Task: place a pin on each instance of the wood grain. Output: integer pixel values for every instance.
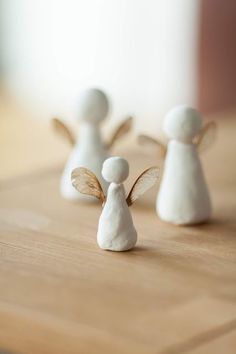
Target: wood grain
(174, 293)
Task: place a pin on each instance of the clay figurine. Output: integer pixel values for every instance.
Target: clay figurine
(116, 231)
(89, 149)
(183, 197)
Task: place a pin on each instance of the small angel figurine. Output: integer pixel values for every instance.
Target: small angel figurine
(116, 231)
(89, 150)
(183, 197)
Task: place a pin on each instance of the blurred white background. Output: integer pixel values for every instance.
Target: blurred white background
(143, 53)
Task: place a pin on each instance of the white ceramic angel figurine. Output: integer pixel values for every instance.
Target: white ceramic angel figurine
(116, 231)
(89, 149)
(183, 197)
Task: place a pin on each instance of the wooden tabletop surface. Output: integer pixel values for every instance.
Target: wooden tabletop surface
(174, 293)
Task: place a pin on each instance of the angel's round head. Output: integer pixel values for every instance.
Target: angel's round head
(182, 123)
(93, 106)
(115, 169)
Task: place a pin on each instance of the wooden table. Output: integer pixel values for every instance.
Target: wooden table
(174, 293)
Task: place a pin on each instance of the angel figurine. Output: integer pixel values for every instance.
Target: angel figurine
(89, 149)
(183, 197)
(116, 231)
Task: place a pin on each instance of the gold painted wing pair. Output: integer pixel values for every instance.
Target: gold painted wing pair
(65, 132)
(203, 140)
(86, 182)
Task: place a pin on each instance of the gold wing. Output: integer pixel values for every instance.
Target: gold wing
(148, 140)
(85, 182)
(63, 130)
(120, 131)
(206, 137)
(144, 182)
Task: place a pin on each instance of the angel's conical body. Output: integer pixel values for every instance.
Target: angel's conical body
(183, 195)
(116, 231)
(89, 152)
